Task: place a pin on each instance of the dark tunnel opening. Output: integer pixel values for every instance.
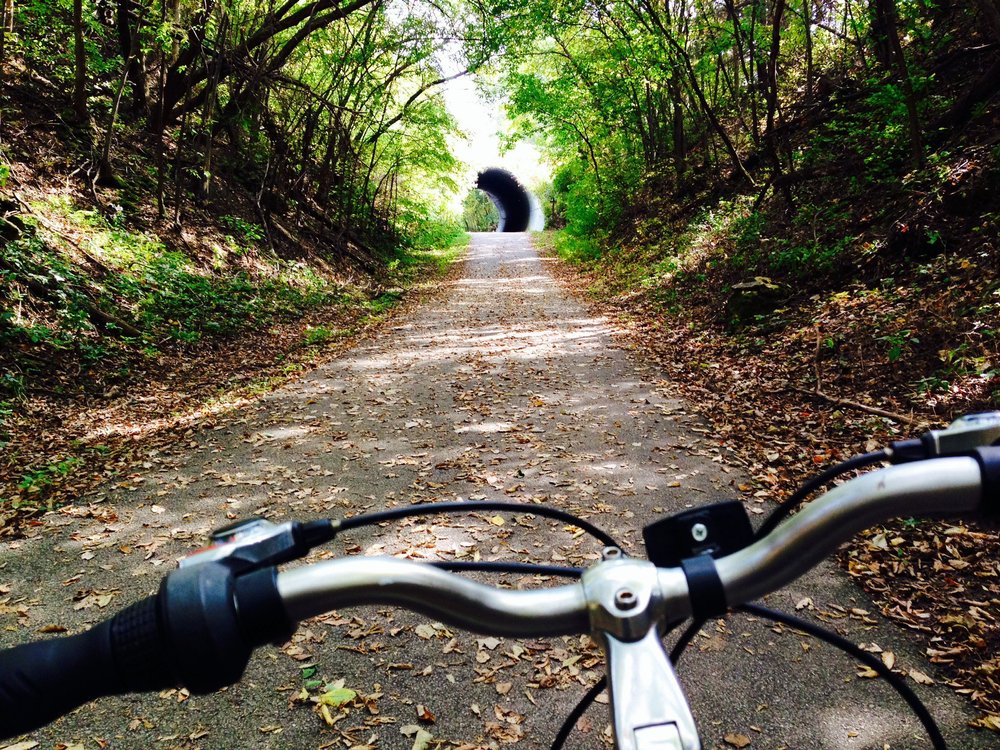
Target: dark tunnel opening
(511, 198)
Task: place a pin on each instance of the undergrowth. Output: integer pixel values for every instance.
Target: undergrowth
(887, 282)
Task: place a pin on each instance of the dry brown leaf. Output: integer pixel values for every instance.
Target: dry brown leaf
(736, 739)
(920, 677)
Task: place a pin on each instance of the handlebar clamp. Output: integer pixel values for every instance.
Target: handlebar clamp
(989, 464)
(707, 594)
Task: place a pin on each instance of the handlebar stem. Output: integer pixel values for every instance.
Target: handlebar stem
(648, 706)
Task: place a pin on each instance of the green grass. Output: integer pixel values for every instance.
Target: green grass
(163, 293)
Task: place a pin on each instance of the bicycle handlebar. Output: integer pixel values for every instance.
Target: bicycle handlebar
(767, 565)
(41, 681)
(202, 626)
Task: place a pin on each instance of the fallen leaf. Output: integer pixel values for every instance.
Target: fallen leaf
(920, 677)
(421, 737)
(338, 697)
(425, 631)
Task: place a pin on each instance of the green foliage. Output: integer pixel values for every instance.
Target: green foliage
(29, 261)
(319, 335)
(425, 233)
(479, 214)
(801, 260)
(746, 230)
(172, 297)
(580, 203)
(898, 343)
(162, 292)
(35, 483)
(244, 230)
(577, 249)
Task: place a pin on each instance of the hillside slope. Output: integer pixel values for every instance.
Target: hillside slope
(120, 322)
(865, 309)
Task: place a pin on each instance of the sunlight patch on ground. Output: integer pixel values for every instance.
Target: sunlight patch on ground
(150, 427)
(487, 427)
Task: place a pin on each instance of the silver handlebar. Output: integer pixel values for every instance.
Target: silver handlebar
(627, 604)
(951, 486)
(353, 581)
(944, 486)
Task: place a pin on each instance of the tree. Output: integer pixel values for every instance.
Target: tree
(479, 213)
(80, 56)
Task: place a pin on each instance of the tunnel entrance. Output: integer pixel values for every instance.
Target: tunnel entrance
(519, 210)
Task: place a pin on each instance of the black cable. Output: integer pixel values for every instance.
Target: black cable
(780, 513)
(502, 566)
(369, 519)
(497, 566)
(868, 659)
(686, 637)
(577, 712)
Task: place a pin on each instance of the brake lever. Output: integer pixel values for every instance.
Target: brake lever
(257, 543)
(965, 434)
(962, 436)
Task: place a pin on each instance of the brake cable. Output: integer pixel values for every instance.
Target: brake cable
(501, 566)
(853, 650)
(393, 514)
(779, 514)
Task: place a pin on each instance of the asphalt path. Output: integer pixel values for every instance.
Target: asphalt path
(504, 388)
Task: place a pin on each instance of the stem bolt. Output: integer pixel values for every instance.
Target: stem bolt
(625, 599)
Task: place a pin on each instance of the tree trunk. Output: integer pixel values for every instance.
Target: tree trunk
(680, 143)
(179, 171)
(770, 139)
(961, 112)
(885, 13)
(205, 189)
(106, 173)
(807, 31)
(80, 73)
(3, 55)
(158, 130)
(879, 30)
(128, 45)
(991, 12)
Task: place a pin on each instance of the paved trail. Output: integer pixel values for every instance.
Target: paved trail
(506, 388)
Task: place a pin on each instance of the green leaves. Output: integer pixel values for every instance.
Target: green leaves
(335, 696)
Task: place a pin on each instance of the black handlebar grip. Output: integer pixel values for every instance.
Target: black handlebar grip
(43, 680)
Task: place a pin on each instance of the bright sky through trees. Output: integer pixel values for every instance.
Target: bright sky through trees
(483, 121)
